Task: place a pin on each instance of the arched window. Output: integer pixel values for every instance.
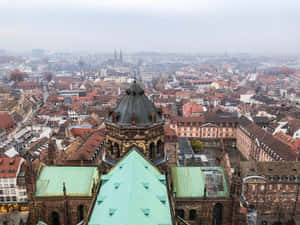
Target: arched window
(151, 150)
(159, 147)
(55, 218)
(193, 214)
(117, 150)
(180, 213)
(217, 214)
(80, 213)
(111, 147)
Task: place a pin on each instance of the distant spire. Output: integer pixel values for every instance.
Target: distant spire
(121, 56)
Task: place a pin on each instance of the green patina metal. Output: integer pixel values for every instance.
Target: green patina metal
(192, 181)
(133, 192)
(78, 181)
(41, 223)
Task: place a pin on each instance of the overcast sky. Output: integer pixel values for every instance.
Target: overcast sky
(190, 26)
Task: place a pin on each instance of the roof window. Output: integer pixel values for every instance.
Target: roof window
(112, 211)
(146, 185)
(146, 212)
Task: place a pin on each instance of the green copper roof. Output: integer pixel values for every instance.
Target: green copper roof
(78, 180)
(191, 181)
(132, 193)
(41, 223)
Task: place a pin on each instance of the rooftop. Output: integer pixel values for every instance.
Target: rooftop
(9, 167)
(135, 106)
(78, 181)
(191, 181)
(134, 192)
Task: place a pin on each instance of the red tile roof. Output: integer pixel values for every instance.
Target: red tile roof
(80, 131)
(6, 122)
(199, 119)
(88, 149)
(9, 167)
(169, 132)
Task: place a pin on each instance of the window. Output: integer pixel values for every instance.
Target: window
(191, 128)
(270, 187)
(277, 196)
(252, 197)
(180, 213)
(13, 191)
(192, 215)
(293, 196)
(261, 197)
(269, 197)
(285, 196)
(262, 187)
(12, 185)
(13, 198)
(295, 187)
(1, 199)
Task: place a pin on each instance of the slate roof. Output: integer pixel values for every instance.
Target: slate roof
(251, 168)
(134, 192)
(135, 103)
(283, 150)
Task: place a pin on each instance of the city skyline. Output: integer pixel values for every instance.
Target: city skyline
(268, 27)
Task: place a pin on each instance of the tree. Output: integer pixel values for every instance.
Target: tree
(16, 75)
(196, 145)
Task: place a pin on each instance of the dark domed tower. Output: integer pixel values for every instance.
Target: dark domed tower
(135, 122)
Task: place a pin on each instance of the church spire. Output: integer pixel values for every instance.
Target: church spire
(121, 56)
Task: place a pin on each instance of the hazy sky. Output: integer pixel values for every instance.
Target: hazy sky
(254, 26)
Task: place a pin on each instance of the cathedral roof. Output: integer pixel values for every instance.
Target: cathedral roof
(192, 181)
(133, 192)
(135, 109)
(52, 178)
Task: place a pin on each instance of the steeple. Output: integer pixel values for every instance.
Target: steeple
(121, 56)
